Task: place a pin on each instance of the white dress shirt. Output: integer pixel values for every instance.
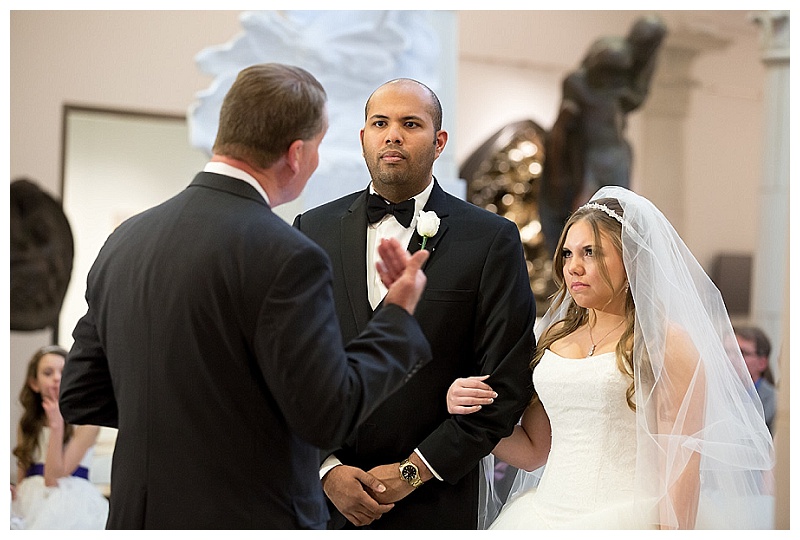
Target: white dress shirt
(229, 170)
(388, 227)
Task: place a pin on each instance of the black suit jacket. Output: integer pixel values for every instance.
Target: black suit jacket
(477, 312)
(211, 342)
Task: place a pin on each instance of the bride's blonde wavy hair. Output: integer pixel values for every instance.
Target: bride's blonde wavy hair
(576, 316)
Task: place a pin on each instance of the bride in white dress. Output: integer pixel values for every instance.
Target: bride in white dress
(644, 415)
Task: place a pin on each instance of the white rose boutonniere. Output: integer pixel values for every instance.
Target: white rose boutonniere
(427, 225)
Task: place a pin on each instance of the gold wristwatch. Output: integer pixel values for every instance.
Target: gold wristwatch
(410, 473)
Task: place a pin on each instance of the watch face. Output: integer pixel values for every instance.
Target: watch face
(409, 472)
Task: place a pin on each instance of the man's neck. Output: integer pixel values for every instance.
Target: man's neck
(262, 176)
(239, 164)
(395, 195)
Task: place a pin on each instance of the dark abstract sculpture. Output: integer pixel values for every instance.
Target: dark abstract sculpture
(537, 178)
(42, 250)
(586, 147)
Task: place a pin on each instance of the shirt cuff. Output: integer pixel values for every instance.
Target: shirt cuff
(425, 461)
(332, 461)
(329, 463)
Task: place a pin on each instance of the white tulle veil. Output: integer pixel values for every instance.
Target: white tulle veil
(702, 442)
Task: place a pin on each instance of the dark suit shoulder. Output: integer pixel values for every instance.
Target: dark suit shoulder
(475, 215)
(287, 242)
(324, 212)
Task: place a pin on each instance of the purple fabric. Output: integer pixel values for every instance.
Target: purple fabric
(38, 469)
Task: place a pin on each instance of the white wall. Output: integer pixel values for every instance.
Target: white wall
(724, 150)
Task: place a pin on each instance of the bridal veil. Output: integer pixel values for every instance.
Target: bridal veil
(704, 453)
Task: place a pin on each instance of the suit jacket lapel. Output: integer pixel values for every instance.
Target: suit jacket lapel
(437, 202)
(353, 246)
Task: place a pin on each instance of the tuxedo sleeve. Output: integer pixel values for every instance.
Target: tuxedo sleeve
(323, 388)
(503, 347)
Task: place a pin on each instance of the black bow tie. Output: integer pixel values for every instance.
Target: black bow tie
(377, 207)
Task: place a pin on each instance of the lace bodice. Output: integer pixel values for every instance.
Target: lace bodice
(594, 430)
(588, 479)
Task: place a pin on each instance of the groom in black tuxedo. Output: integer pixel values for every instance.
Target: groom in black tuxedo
(477, 312)
(211, 339)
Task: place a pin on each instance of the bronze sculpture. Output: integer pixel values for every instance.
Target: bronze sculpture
(586, 148)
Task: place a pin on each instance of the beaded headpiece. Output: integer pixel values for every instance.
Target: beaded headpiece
(602, 208)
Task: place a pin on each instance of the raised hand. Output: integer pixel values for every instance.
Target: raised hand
(402, 274)
(468, 395)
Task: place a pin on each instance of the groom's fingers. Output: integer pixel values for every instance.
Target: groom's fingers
(345, 486)
(370, 482)
(372, 509)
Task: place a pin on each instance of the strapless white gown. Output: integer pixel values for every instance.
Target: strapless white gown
(588, 480)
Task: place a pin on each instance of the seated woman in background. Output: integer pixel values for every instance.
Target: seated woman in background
(53, 489)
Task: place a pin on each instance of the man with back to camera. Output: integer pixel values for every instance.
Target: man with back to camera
(477, 312)
(211, 339)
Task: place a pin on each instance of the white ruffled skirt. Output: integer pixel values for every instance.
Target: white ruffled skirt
(74, 504)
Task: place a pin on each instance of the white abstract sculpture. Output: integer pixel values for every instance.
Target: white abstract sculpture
(350, 52)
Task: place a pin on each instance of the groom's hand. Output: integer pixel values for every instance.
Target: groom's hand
(349, 490)
(396, 487)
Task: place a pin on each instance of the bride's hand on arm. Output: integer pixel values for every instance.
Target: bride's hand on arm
(528, 445)
(469, 394)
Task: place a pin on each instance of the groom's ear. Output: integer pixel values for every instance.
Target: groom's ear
(440, 142)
